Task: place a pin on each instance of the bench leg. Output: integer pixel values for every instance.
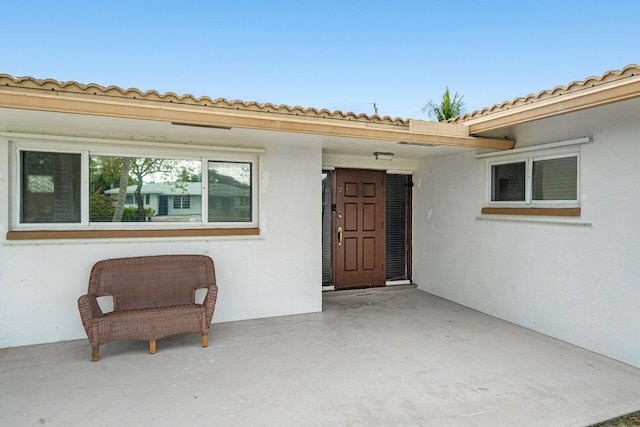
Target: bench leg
(95, 354)
(152, 347)
(205, 340)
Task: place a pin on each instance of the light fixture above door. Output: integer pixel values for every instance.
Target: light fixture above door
(383, 156)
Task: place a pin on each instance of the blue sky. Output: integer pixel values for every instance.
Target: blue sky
(342, 55)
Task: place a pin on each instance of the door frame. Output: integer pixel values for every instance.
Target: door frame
(359, 224)
(331, 180)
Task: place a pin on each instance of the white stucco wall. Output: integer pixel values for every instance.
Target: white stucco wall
(277, 273)
(579, 284)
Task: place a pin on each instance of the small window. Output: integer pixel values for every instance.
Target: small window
(508, 182)
(555, 179)
(536, 181)
(50, 187)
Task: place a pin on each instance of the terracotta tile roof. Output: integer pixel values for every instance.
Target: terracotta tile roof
(92, 89)
(573, 87)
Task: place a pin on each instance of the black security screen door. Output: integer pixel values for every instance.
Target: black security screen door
(397, 246)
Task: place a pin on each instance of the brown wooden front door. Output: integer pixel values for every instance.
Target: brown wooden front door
(359, 238)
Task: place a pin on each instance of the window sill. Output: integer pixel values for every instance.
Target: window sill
(117, 234)
(534, 220)
(533, 211)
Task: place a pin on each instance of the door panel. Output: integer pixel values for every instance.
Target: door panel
(369, 190)
(351, 216)
(359, 229)
(369, 216)
(368, 253)
(350, 254)
(351, 189)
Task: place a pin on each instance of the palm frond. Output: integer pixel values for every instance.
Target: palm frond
(448, 107)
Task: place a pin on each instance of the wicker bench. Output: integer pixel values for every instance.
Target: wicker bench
(153, 297)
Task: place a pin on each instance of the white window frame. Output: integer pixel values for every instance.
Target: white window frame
(511, 203)
(529, 159)
(87, 149)
(556, 203)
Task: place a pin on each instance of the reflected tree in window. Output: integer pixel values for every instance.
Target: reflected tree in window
(116, 183)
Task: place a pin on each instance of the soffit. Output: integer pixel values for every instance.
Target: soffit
(612, 86)
(27, 93)
(28, 122)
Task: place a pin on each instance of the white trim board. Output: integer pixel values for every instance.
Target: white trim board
(559, 144)
(509, 218)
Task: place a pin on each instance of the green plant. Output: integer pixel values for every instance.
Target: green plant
(132, 215)
(448, 108)
(100, 208)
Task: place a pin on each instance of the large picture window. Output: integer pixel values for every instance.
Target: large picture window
(89, 189)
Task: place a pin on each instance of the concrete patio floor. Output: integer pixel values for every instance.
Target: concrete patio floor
(398, 358)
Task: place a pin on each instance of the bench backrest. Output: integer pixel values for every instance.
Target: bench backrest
(151, 281)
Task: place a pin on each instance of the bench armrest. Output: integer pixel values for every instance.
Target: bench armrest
(89, 310)
(209, 302)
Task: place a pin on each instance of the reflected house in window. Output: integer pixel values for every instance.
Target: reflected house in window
(171, 201)
(182, 201)
(229, 203)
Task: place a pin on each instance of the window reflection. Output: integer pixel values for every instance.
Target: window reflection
(138, 189)
(229, 191)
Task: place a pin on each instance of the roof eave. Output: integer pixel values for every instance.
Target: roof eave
(457, 135)
(562, 102)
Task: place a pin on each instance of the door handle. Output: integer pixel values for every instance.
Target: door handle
(339, 236)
